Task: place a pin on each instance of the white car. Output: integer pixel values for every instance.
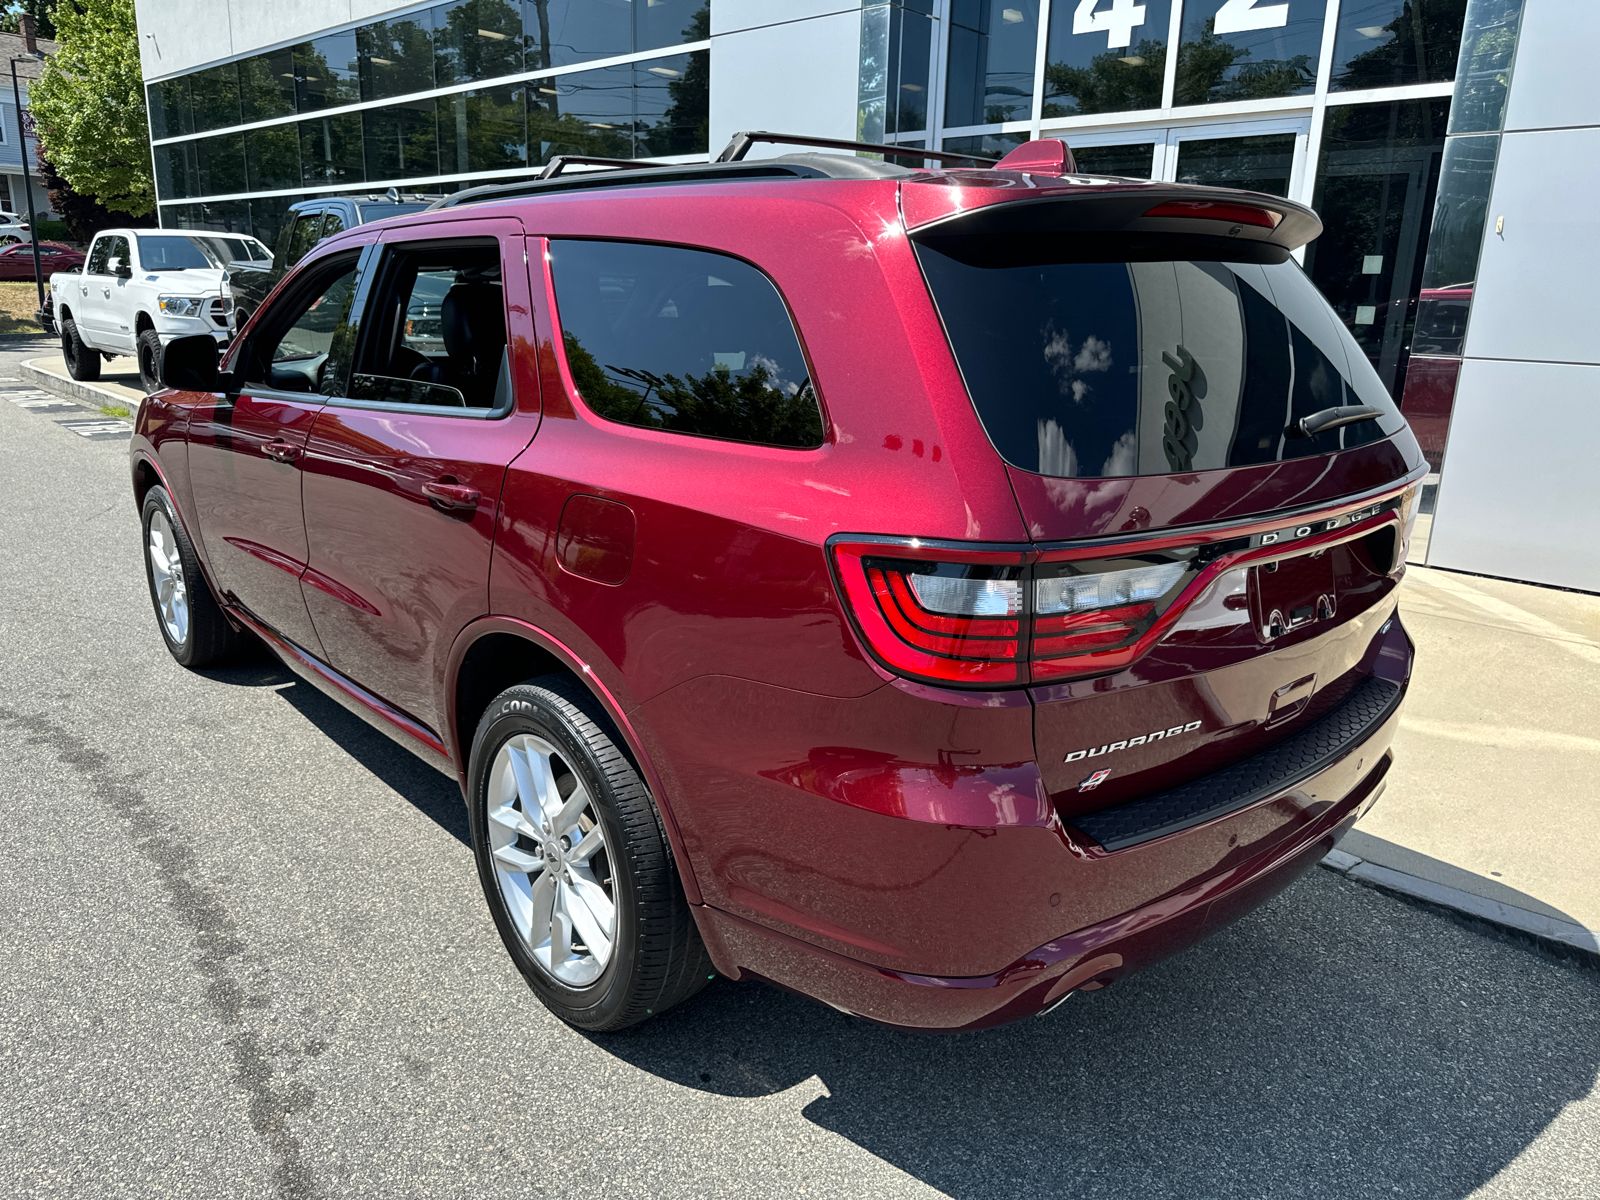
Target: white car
(140, 288)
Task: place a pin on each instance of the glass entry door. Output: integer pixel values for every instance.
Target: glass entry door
(1262, 156)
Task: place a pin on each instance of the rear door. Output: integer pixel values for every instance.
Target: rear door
(246, 449)
(403, 474)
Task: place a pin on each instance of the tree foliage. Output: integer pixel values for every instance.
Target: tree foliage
(88, 108)
(83, 215)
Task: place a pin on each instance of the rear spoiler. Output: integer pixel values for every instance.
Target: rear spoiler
(1123, 209)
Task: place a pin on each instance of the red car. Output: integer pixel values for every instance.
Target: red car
(933, 591)
(16, 262)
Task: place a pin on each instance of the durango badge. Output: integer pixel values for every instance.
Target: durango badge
(1141, 740)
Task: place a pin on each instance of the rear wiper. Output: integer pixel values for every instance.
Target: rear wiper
(1331, 418)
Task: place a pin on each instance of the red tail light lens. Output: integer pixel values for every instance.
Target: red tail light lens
(1210, 210)
(960, 615)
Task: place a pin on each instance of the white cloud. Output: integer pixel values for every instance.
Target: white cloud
(1056, 455)
(1124, 458)
(1094, 356)
(1080, 389)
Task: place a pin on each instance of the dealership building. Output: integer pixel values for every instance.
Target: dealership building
(1452, 148)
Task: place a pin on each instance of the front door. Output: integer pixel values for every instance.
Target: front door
(96, 287)
(246, 450)
(402, 477)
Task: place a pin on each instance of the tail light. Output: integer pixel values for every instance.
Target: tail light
(1005, 616)
(1213, 210)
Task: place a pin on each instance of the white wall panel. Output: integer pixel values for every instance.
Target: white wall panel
(1551, 86)
(728, 16)
(1520, 495)
(1536, 296)
(800, 77)
(179, 35)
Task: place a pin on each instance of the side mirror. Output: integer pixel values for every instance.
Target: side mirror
(119, 268)
(189, 364)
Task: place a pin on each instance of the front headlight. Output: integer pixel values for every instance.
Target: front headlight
(182, 306)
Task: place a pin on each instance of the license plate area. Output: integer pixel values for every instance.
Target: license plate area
(1293, 592)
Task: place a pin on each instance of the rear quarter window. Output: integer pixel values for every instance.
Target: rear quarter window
(686, 341)
(1155, 365)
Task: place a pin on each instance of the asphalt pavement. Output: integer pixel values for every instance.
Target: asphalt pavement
(245, 954)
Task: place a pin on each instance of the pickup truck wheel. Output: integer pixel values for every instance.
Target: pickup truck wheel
(575, 863)
(149, 351)
(82, 362)
(191, 622)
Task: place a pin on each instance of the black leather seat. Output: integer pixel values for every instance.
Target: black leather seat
(473, 324)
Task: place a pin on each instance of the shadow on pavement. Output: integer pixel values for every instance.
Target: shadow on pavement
(1334, 1043)
(427, 790)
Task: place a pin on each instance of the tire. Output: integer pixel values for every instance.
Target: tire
(82, 362)
(655, 957)
(148, 349)
(191, 622)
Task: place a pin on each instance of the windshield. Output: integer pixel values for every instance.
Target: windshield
(172, 252)
(1151, 366)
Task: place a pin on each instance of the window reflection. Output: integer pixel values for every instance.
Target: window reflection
(1376, 179)
(219, 165)
(476, 39)
(1131, 162)
(670, 23)
(653, 108)
(401, 140)
(985, 145)
(1259, 164)
(214, 97)
(267, 85)
(1247, 49)
(396, 57)
(330, 149)
(892, 94)
(1488, 44)
(562, 32)
(1110, 61)
(272, 158)
(1454, 243)
(327, 72)
(992, 51)
(1386, 43)
(484, 130)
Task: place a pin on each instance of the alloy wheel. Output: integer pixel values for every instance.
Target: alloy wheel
(552, 860)
(166, 571)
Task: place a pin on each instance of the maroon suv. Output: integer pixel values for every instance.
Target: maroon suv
(933, 591)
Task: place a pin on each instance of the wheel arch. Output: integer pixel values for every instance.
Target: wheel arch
(495, 653)
(65, 314)
(142, 321)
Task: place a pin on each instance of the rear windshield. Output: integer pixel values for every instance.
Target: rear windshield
(1091, 370)
(377, 212)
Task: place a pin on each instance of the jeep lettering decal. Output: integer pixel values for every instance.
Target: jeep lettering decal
(1142, 740)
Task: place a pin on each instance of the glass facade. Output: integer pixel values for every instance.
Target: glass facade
(391, 103)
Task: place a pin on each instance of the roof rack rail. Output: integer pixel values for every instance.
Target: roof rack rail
(739, 145)
(560, 162)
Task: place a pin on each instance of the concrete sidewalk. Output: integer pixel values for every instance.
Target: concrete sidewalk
(118, 382)
(1495, 791)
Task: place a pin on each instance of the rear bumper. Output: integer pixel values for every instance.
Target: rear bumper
(1141, 904)
(1087, 959)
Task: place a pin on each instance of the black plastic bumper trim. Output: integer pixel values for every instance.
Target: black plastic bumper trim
(1276, 769)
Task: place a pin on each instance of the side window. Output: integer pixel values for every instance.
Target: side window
(436, 329)
(683, 340)
(117, 256)
(304, 236)
(332, 223)
(98, 253)
(303, 341)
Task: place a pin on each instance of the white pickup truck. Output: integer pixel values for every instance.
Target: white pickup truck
(140, 288)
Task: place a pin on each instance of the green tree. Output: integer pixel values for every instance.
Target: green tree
(88, 107)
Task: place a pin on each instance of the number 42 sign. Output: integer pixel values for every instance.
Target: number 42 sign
(1124, 16)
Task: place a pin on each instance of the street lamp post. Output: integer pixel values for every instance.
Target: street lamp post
(27, 178)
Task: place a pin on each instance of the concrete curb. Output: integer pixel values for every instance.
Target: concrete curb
(71, 389)
(1564, 937)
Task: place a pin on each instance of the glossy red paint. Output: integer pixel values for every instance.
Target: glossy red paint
(902, 850)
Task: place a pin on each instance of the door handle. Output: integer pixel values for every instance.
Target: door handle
(451, 495)
(282, 451)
